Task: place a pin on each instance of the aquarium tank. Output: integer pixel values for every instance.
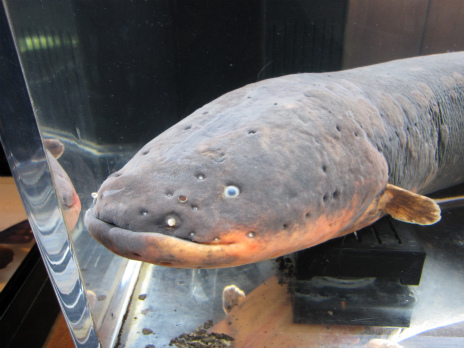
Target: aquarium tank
(101, 79)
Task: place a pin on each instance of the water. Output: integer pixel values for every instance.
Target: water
(105, 78)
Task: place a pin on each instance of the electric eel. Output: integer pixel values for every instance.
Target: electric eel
(287, 163)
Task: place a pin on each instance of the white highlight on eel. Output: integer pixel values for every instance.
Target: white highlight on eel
(171, 222)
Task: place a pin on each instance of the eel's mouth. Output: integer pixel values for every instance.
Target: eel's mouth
(165, 250)
(236, 246)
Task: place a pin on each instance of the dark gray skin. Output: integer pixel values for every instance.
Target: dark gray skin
(315, 156)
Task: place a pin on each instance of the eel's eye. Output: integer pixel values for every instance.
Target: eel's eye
(231, 191)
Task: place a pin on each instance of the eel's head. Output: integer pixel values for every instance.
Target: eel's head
(186, 215)
(261, 172)
(240, 197)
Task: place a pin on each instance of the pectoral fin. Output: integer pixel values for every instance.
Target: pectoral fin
(404, 205)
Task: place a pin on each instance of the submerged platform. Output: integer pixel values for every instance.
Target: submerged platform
(359, 279)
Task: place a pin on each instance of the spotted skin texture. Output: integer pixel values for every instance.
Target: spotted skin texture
(314, 156)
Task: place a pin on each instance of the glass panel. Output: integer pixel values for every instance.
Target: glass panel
(106, 77)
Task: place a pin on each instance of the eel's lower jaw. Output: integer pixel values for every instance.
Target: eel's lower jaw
(237, 247)
(160, 249)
